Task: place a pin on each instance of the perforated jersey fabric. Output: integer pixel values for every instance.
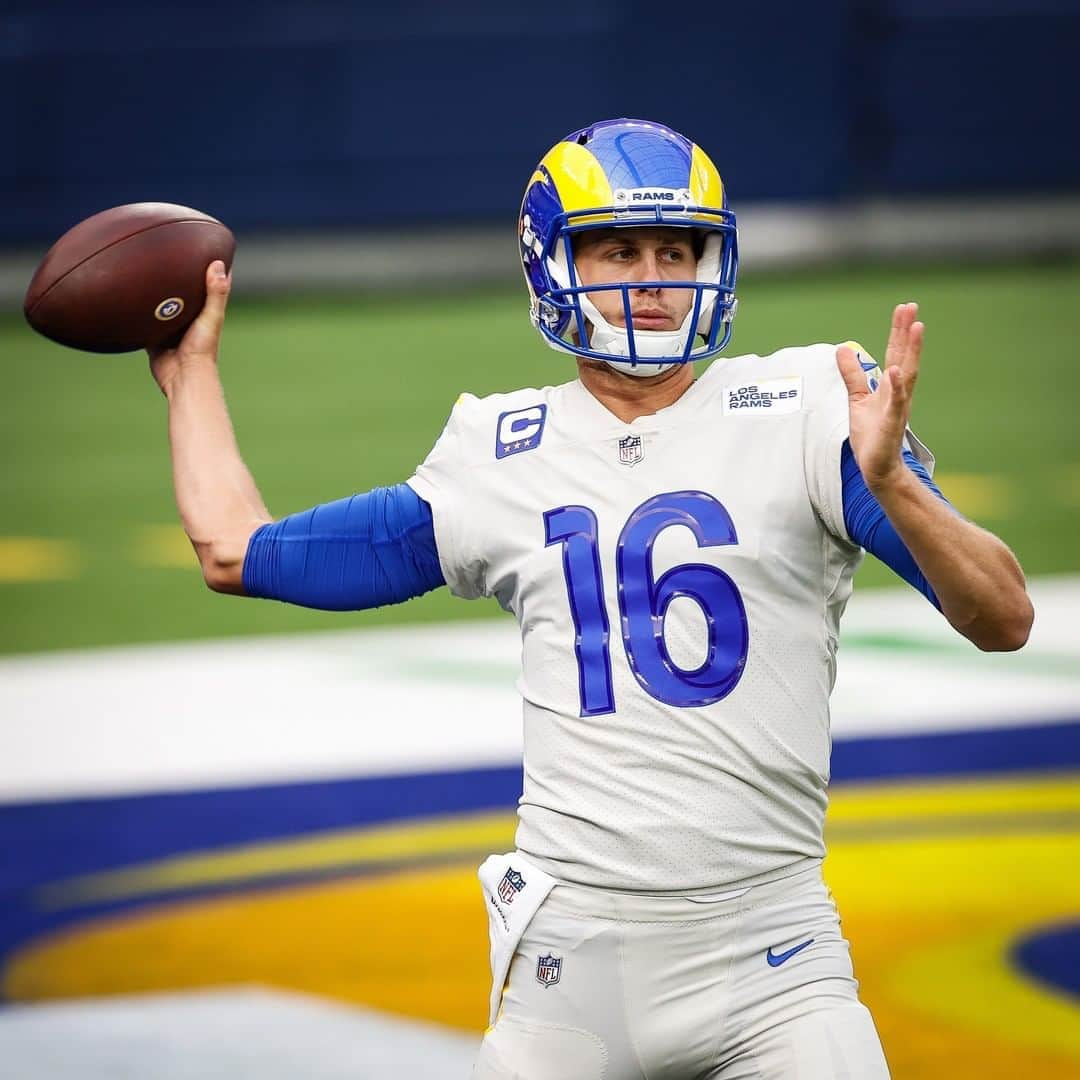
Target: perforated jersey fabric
(671, 789)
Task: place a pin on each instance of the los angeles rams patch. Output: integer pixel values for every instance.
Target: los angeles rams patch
(770, 396)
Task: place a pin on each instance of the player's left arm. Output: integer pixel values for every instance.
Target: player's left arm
(976, 578)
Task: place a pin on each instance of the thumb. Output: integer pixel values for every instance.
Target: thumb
(218, 285)
(851, 372)
(203, 335)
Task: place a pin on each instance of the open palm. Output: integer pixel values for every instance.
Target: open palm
(879, 418)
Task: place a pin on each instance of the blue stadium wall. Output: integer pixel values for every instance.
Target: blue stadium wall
(328, 115)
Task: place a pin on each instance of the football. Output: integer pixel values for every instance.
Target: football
(128, 278)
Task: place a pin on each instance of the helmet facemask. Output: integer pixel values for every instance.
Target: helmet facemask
(569, 320)
(632, 350)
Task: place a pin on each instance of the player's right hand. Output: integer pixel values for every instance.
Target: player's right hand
(199, 345)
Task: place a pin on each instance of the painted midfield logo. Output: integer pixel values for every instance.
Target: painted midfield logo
(548, 970)
(630, 450)
(511, 884)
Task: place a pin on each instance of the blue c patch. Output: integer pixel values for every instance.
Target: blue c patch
(519, 430)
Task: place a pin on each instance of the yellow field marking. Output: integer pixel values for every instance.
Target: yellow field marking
(32, 558)
(896, 805)
(930, 920)
(938, 980)
(165, 546)
(977, 494)
(413, 943)
(1067, 484)
(350, 849)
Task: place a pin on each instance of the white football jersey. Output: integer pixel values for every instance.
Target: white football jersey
(678, 582)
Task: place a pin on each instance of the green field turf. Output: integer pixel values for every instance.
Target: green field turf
(334, 396)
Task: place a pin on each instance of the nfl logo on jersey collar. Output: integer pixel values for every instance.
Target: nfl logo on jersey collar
(548, 970)
(630, 450)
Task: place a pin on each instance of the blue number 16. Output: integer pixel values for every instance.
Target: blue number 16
(643, 601)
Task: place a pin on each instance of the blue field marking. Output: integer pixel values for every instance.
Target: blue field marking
(50, 841)
(44, 841)
(1051, 955)
(1031, 748)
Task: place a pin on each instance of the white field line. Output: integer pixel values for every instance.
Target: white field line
(365, 702)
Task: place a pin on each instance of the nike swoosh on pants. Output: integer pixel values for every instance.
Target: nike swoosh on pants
(776, 959)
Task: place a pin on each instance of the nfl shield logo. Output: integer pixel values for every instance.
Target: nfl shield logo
(511, 884)
(548, 970)
(630, 452)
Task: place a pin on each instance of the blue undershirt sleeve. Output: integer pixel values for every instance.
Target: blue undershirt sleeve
(357, 553)
(869, 526)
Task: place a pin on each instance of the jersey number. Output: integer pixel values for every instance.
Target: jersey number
(643, 602)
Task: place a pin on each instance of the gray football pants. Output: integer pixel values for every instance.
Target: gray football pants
(662, 988)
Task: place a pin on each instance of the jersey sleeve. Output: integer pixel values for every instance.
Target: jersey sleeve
(827, 428)
(443, 482)
(350, 555)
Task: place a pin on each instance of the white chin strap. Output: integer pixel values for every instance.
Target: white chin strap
(647, 343)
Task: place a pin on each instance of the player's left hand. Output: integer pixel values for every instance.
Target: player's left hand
(878, 419)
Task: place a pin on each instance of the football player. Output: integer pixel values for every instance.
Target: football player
(678, 552)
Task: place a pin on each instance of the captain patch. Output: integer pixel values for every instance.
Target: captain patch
(772, 396)
(519, 430)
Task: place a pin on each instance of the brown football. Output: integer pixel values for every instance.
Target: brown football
(127, 278)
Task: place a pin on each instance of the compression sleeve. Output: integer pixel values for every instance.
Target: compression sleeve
(356, 553)
(869, 526)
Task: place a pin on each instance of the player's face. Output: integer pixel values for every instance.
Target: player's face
(639, 254)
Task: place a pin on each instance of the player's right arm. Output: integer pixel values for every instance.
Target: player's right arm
(364, 551)
(220, 506)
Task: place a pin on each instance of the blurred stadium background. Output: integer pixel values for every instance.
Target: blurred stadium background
(229, 853)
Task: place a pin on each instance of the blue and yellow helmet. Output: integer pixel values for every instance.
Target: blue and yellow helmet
(627, 173)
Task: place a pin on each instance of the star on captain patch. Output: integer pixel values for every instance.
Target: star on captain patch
(630, 450)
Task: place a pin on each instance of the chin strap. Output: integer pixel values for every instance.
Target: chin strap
(615, 340)
(641, 371)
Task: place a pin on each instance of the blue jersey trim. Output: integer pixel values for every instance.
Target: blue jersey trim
(869, 526)
(357, 553)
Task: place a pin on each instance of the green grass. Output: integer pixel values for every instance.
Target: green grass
(333, 396)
